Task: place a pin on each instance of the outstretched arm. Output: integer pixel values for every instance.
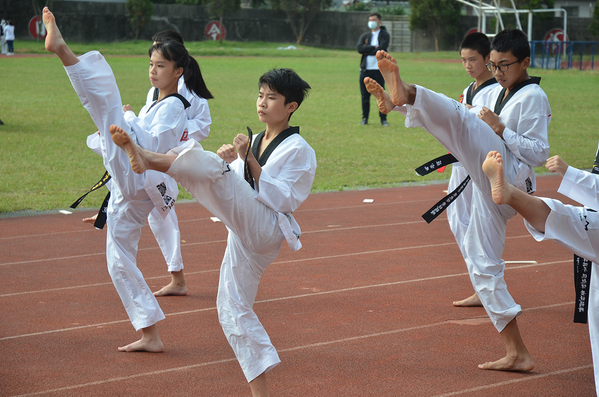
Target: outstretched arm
(579, 185)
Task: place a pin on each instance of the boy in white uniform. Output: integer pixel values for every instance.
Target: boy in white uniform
(159, 127)
(575, 228)
(281, 165)
(474, 51)
(520, 136)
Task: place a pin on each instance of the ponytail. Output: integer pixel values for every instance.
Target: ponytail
(194, 80)
(176, 52)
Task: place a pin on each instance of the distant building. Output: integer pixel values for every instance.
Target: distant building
(576, 8)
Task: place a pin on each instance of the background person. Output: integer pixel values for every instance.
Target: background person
(370, 42)
(9, 36)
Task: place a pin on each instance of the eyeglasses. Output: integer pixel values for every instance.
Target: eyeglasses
(502, 68)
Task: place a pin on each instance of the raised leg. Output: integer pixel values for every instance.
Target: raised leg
(533, 209)
(383, 99)
(141, 159)
(54, 41)
(401, 92)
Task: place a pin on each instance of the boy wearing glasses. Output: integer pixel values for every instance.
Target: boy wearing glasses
(516, 128)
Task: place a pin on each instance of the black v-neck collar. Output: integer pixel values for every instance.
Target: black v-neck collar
(471, 93)
(501, 101)
(272, 145)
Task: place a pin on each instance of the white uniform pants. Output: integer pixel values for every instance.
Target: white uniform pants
(469, 139)
(129, 204)
(458, 213)
(577, 229)
(167, 234)
(253, 243)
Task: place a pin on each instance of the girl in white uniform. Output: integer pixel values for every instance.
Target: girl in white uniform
(282, 166)
(572, 227)
(159, 128)
(166, 230)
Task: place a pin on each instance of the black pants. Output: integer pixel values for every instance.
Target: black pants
(378, 77)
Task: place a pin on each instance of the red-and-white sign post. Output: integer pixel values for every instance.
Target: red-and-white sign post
(37, 30)
(556, 35)
(215, 30)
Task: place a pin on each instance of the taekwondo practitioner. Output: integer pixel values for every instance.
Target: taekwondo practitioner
(475, 53)
(280, 166)
(166, 229)
(575, 228)
(158, 127)
(519, 134)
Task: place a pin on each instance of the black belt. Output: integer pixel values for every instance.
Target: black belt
(246, 169)
(101, 218)
(442, 204)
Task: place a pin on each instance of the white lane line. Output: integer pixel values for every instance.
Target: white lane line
(274, 263)
(304, 347)
(101, 253)
(527, 378)
(336, 291)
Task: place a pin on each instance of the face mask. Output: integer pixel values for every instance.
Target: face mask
(372, 25)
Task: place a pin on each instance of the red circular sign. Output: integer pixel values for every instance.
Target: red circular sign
(472, 30)
(555, 35)
(215, 30)
(37, 28)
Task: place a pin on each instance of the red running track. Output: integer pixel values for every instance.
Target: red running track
(364, 309)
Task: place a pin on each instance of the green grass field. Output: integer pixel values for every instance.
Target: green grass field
(45, 164)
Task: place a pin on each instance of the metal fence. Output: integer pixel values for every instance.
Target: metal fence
(563, 54)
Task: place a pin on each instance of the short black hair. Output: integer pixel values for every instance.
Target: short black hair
(287, 83)
(376, 14)
(167, 35)
(513, 40)
(478, 42)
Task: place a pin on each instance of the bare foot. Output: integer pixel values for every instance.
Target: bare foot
(134, 152)
(401, 92)
(525, 363)
(173, 289)
(493, 168)
(149, 342)
(54, 40)
(383, 99)
(90, 220)
(471, 301)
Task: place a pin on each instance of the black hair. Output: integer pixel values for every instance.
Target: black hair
(167, 35)
(376, 14)
(287, 83)
(177, 53)
(513, 40)
(478, 42)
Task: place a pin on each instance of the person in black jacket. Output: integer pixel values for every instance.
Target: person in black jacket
(369, 43)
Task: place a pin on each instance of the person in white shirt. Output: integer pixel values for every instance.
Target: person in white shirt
(9, 36)
(166, 229)
(517, 127)
(280, 165)
(158, 127)
(3, 38)
(575, 228)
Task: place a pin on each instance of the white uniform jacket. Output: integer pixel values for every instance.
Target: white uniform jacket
(285, 183)
(198, 114)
